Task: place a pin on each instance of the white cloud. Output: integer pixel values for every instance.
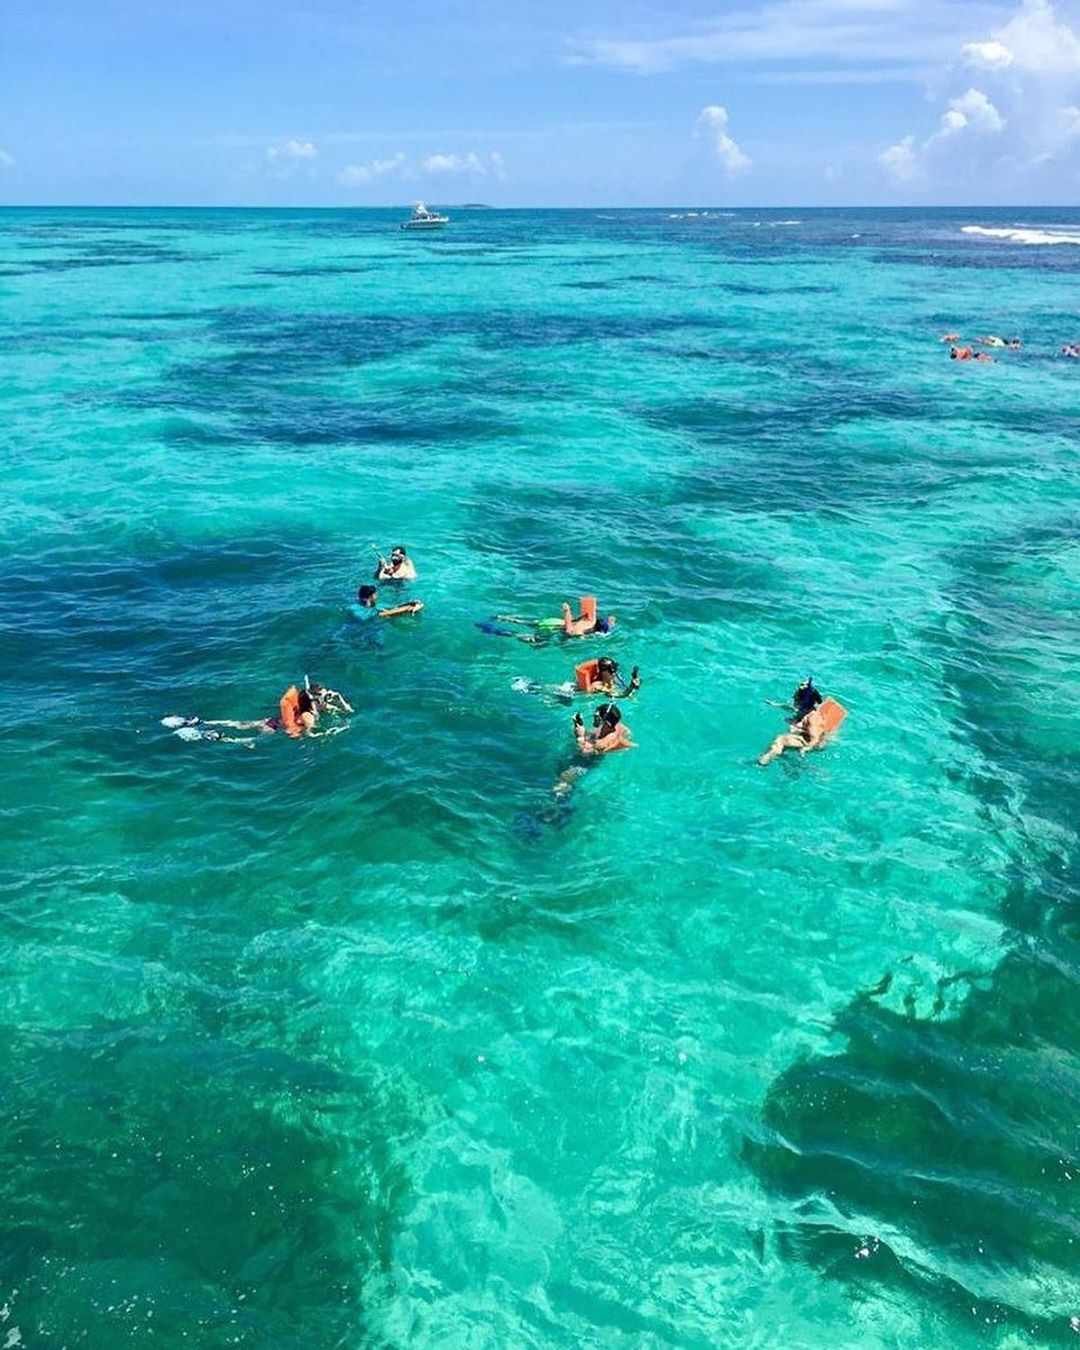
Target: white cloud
(355, 175)
(972, 109)
(713, 122)
(856, 31)
(472, 163)
(990, 55)
(7, 159)
(1033, 40)
(291, 149)
(901, 160)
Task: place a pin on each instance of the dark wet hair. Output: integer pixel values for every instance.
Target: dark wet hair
(367, 592)
(399, 548)
(606, 663)
(304, 702)
(608, 714)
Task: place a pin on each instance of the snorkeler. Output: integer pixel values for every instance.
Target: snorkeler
(609, 732)
(366, 606)
(398, 567)
(808, 733)
(601, 676)
(588, 621)
(298, 715)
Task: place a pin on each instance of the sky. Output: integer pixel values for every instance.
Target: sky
(522, 103)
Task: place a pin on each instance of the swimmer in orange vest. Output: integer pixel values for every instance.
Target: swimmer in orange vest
(298, 715)
(808, 733)
(601, 676)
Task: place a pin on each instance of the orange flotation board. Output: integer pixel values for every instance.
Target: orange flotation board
(588, 608)
(832, 714)
(289, 708)
(586, 673)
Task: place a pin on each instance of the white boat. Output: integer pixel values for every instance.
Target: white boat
(423, 219)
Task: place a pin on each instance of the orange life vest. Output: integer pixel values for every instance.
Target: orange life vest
(289, 708)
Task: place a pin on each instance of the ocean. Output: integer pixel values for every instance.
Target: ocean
(373, 1040)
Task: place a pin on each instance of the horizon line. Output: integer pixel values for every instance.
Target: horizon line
(534, 206)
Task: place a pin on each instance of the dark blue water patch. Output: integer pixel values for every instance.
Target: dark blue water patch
(167, 1138)
(544, 534)
(314, 270)
(112, 615)
(589, 285)
(961, 259)
(128, 258)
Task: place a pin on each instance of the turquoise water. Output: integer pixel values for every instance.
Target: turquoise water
(370, 1040)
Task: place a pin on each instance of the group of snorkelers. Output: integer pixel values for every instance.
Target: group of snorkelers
(967, 352)
(302, 708)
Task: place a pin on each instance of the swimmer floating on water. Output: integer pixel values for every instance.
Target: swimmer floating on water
(601, 676)
(587, 622)
(807, 733)
(298, 715)
(609, 733)
(366, 607)
(398, 567)
(598, 676)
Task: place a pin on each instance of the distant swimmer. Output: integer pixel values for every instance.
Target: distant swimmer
(950, 337)
(1072, 350)
(367, 606)
(992, 341)
(601, 676)
(1014, 344)
(968, 354)
(398, 567)
(808, 733)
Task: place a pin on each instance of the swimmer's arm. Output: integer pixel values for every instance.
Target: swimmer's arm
(629, 690)
(410, 607)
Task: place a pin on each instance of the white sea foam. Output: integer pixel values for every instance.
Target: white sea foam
(1019, 234)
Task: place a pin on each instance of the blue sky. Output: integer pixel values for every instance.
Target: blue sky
(338, 102)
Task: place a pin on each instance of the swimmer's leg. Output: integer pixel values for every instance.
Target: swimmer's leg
(782, 743)
(566, 781)
(260, 725)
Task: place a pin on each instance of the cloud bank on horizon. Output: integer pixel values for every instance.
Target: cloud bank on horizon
(756, 102)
